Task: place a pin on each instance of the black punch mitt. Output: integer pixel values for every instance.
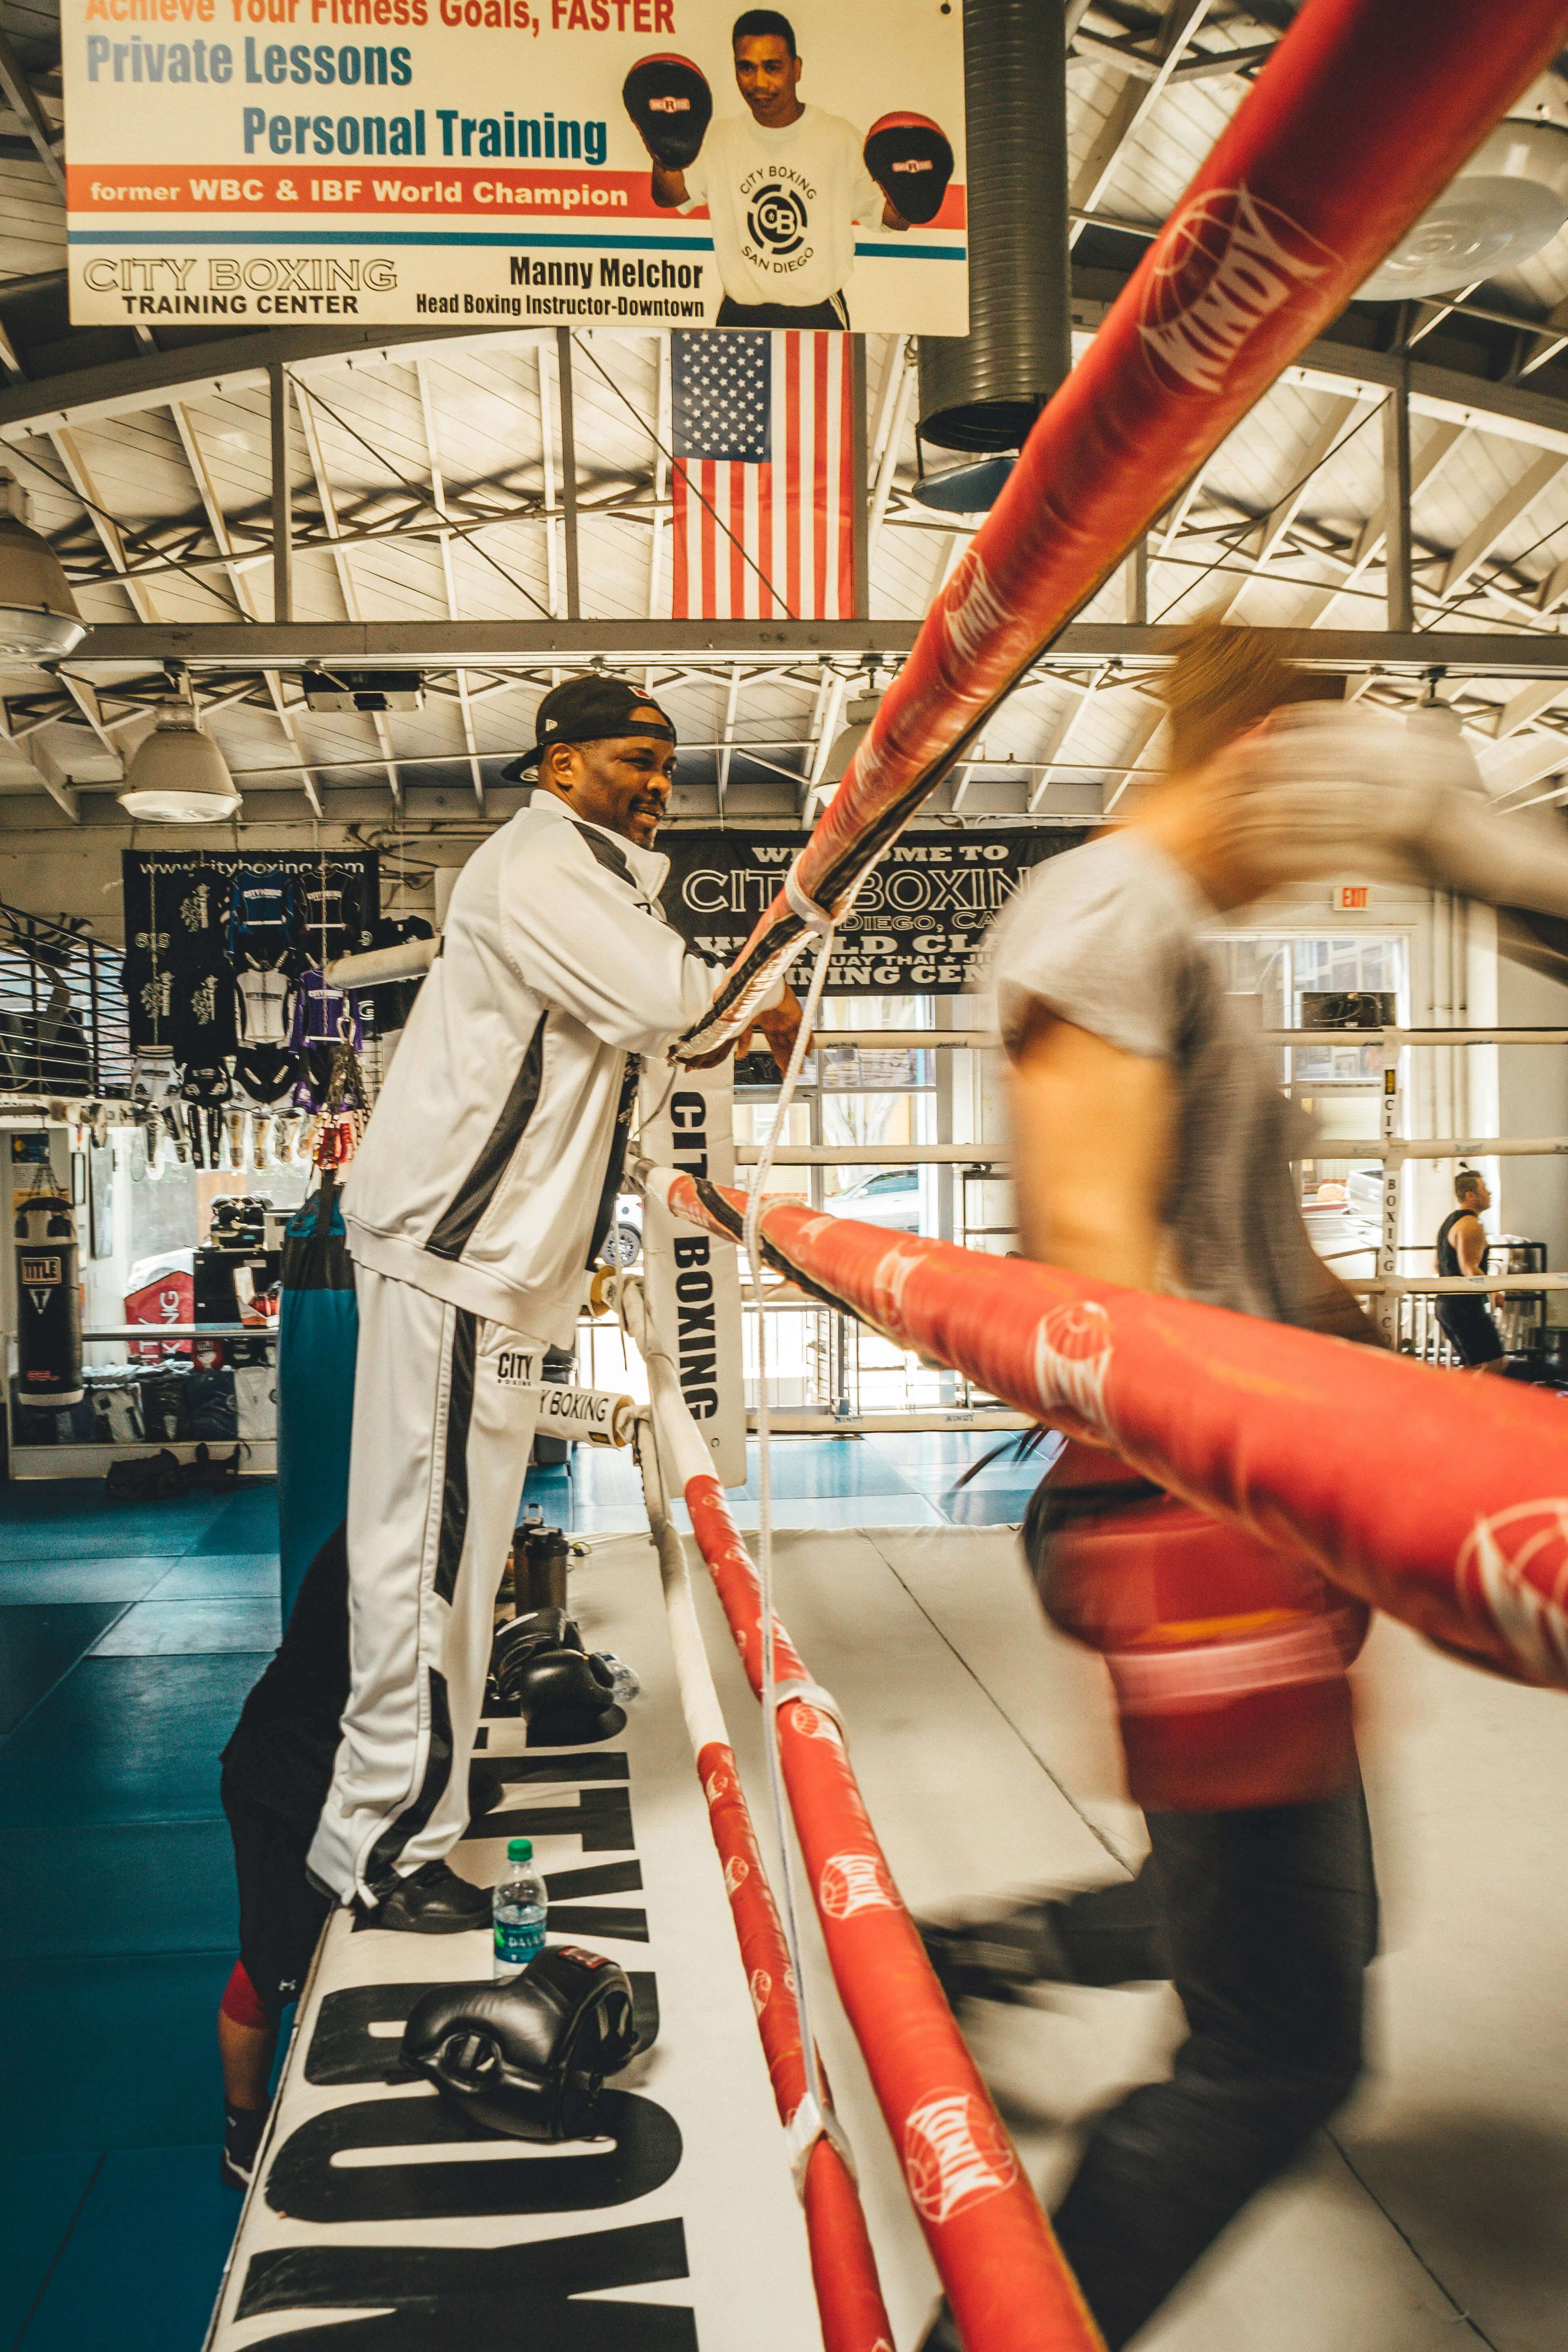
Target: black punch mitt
(909, 157)
(528, 2058)
(672, 106)
(567, 1699)
(522, 1639)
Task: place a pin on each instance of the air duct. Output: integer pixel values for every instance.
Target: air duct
(982, 390)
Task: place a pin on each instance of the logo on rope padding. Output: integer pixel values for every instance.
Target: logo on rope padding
(736, 1873)
(1513, 1567)
(760, 1986)
(811, 1724)
(888, 1286)
(717, 1785)
(856, 1882)
(956, 2155)
(1223, 266)
(976, 619)
(1072, 1360)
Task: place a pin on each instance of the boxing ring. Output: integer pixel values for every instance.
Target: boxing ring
(370, 2198)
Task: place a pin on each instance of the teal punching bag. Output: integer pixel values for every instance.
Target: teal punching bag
(318, 1332)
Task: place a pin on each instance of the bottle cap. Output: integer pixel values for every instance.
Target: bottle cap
(520, 1849)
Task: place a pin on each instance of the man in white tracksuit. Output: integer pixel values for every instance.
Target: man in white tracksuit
(481, 1191)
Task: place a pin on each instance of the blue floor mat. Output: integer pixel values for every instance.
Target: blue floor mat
(98, 1529)
(118, 2053)
(112, 1579)
(245, 1521)
(246, 1623)
(38, 2196)
(148, 2248)
(125, 1739)
(40, 1642)
(205, 1576)
(153, 1886)
(803, 1468)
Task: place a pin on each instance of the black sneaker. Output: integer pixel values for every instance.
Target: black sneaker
(434, 1901)
(999, 1958)
(942, 2334)
(242, 2130)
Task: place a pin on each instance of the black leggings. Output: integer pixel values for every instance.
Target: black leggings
(1265, 1922)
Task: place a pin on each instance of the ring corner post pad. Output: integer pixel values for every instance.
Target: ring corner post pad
(693, 1283)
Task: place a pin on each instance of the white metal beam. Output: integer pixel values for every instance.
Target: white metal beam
(1065, 726)
(47, 768)
(1136, 100)
(348, 587)
(80, 474)
(244, 594)
(1522, 708)
(1532, 484)
(1276, 524)
(438, 492)
(24, 97)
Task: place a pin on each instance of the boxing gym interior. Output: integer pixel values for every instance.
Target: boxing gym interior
(784, 1064)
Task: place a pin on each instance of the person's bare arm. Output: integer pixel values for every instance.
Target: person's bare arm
(669, 187)
(1470, 1240)
(1092, 1134)
(1335, 1308)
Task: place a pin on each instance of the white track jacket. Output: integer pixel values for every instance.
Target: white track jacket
(494, 1149)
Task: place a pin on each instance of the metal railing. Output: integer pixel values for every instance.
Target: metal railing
(64, 1025)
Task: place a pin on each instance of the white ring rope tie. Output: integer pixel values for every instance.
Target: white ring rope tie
(821, 925)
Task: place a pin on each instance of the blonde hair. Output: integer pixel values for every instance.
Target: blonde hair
(1227, 678)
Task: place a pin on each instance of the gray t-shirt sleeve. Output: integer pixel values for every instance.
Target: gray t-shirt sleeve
(1096, 935)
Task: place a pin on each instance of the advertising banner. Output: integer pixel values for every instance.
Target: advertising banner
(630, 164)
(917, 928)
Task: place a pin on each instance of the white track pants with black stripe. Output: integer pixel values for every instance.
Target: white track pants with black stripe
(443, 1420)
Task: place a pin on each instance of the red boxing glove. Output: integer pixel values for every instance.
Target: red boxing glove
(1228, 1661)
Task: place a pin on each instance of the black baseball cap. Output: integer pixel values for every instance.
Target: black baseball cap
(587, 710)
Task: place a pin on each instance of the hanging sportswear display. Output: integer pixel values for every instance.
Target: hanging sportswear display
(264, 1006)
(149, 988)
(204, 1026)
(266, 1072)
(266, 921)
(338, 920)
(323, 1013)
(390, 1005)
(195, 907)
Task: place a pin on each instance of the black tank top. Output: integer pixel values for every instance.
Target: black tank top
(1447, 1255)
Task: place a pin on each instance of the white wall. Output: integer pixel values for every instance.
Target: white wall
(1533, 1099)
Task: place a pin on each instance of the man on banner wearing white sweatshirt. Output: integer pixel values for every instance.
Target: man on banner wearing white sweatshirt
(784, 185)
(481, 1193)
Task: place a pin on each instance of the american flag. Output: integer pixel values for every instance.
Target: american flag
(763, 475)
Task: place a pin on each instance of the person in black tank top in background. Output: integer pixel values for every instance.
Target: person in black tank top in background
(1462, 1249)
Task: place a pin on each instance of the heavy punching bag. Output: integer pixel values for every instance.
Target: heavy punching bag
(48, 1302)
(318, 1332)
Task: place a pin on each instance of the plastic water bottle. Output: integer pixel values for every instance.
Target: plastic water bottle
(624, 1684)
(518, 1907)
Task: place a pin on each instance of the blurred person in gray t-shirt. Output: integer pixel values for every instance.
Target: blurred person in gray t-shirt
(1151, 1147)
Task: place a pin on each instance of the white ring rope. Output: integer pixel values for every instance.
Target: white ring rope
(821, 926)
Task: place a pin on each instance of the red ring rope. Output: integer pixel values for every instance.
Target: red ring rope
(1441, 1500)
(1000, 2265)
(1363, 114)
